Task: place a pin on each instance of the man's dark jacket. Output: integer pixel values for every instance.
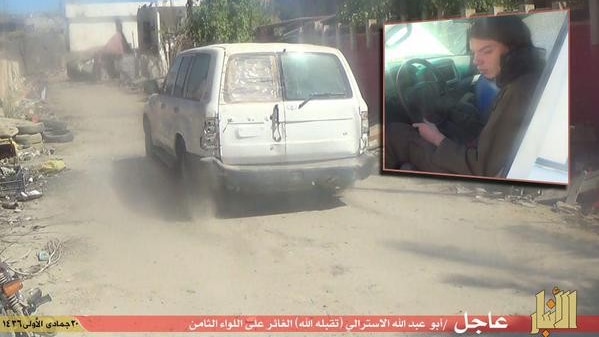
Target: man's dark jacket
(520, 73)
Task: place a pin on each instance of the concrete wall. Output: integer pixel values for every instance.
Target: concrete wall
(88, 35)
(92, 25)
(152, 20)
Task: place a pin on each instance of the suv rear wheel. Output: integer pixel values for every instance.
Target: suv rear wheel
(148, 139)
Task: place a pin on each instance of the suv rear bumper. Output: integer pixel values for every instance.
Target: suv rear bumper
(338, 173)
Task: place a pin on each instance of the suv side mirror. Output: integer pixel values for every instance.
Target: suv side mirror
(151, 87)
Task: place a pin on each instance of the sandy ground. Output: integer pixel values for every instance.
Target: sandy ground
(391, 245)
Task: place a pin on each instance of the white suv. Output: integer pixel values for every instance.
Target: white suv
(267, 116)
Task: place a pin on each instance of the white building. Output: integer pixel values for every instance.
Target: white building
(91, 25)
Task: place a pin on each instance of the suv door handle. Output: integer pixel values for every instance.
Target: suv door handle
(276, 124)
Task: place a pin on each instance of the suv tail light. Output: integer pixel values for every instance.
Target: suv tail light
(210, 140)
(365, 131)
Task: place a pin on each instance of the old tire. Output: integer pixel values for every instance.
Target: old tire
(54, 125)
(30, 128)
(29, 139)
(192, 179)
(8, 131)
(64, 136)
(149, 146)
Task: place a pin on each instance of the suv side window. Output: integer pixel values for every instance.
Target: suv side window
(182, 75)
(197, 83)
(169, 83)
(252, 78)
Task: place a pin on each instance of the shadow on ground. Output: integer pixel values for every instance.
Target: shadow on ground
(251, 205)
(149, 188)
(504, 273)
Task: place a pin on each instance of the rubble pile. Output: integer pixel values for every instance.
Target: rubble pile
(26, 163)
(25, 129)
(578, 202)
(26, 118)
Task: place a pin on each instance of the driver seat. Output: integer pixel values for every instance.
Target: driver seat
(485, 92)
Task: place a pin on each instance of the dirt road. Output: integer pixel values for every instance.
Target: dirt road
(391, 245)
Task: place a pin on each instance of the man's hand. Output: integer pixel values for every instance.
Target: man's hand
(429, 132)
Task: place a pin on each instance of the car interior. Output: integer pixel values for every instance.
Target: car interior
(429, 69)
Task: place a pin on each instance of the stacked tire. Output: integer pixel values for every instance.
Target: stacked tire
(56, 131)
(8, 131)
(29, 134)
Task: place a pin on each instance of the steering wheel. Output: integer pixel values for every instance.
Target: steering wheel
(423, 99)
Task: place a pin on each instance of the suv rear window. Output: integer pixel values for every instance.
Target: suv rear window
(313, 74)
(251, 78)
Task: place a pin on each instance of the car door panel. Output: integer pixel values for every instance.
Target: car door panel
(194, 106)
(249, 135)
(322, 117)
(251, 110)
(322, 129)
(163, 104)
(175, 103)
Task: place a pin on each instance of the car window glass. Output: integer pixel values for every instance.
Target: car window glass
(307, 74)
(251, 78)
(171, 77)
(545, 28)
(182, 74)
(198, 77)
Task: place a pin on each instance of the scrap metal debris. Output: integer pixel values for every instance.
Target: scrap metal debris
(579, 201)
(28, 196)
(53, 249)
(10, 205)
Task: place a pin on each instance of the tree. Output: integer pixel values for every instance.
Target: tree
(358, 11)
(443, 8)
(510, 5)
(480, 5)
(225, 21)
(290, 9)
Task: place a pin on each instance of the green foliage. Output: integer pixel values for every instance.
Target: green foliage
(290, 9)
(225, 21)
(481, 5)
(358, 11)
(510, 5)
(442, 8)
(575, 3)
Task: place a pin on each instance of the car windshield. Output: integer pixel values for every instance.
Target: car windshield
(313, 76)
(426, 39)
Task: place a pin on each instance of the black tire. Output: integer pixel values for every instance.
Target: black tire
(64, 136)
(185, 182)
(149, 147)
(224, 200)
(193, 181)
(8, 131)
(54, 125)
(28, 139)
(30, 128)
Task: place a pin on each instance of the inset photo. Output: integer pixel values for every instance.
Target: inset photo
(483, 97)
